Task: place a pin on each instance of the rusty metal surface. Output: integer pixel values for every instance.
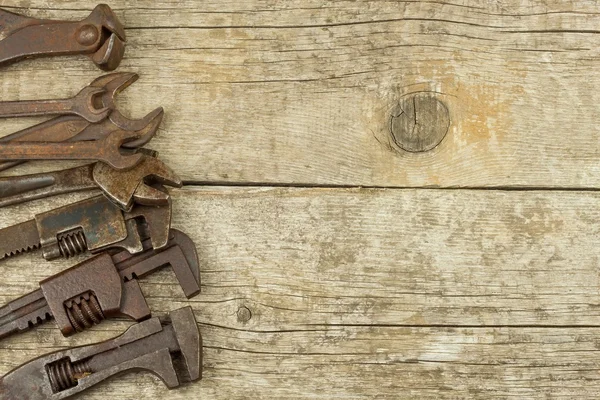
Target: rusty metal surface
(102, 287)
(122, 187)
(93, 225)
(83, 105)
(107, 150)
(129, 186)
(94, 103)
(152, 346)
(113, 84)
(100, 36)
(70, 128)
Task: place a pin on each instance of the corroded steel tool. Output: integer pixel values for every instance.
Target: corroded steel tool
(102, 287)
(83, 105)
(171, 350)
(123, 187)
(100, 36)
(93, 225)
(107, 150)
(71, 129)
(94, 103)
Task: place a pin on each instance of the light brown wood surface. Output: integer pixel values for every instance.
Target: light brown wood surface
(359, 282)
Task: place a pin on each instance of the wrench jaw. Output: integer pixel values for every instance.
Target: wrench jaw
(104, 17)
(115, 83)
(85, 105)
(124, 188)
(111, 150)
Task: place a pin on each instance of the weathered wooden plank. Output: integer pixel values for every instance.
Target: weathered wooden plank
(349, 362)
(392, 257)
(304, 93)
(321, 293)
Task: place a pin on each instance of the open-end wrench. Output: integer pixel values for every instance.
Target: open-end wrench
(101, 287)
(71, 128)
(123, 187)
(85, 104)
(113, 84)
(152, 346)
(107, 150)
(82, 105)
(101, 36)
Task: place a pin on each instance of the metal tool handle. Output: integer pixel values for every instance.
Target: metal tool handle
(101, 36)
(20, 189)
(23, 313)
(11, 22)
(31, 108)
(107, 150)
(148, 346)
(82, 105)
(55, 38)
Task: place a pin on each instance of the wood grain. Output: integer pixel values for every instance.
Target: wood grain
(302, 92)
(339, 292)
(369, 293)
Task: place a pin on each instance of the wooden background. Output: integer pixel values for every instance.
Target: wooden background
(335, 264)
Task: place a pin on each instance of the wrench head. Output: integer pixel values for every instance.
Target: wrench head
(146, 129)
(109, 150)
(180, 254)
(190, 343)
(85, 105)
(124, 187)
(113, 84)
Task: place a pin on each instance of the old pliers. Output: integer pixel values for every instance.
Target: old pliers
(100, 36)
(124, 188)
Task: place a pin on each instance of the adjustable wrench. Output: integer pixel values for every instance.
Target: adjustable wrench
(101, 36)
(101, 287)
(152, 346)
(93, 225)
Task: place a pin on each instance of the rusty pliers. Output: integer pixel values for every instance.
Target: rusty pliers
(100, 36)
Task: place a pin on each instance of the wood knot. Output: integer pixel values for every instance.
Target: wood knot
(244, 314)
(419, 122)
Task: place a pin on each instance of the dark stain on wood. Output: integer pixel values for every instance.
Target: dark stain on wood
(419, 122)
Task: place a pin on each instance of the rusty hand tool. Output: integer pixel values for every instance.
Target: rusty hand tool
(107, 150)
(113, 84)
(83, 105)
(100, 36)
(71, 129)
(102, 287)
(123, 187)
(171, 350)
(93, 225)
(94, 103)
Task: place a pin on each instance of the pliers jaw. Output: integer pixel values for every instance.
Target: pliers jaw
(111, 37)
(101, 36)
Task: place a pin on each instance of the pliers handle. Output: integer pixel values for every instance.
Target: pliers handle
(100, 36)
